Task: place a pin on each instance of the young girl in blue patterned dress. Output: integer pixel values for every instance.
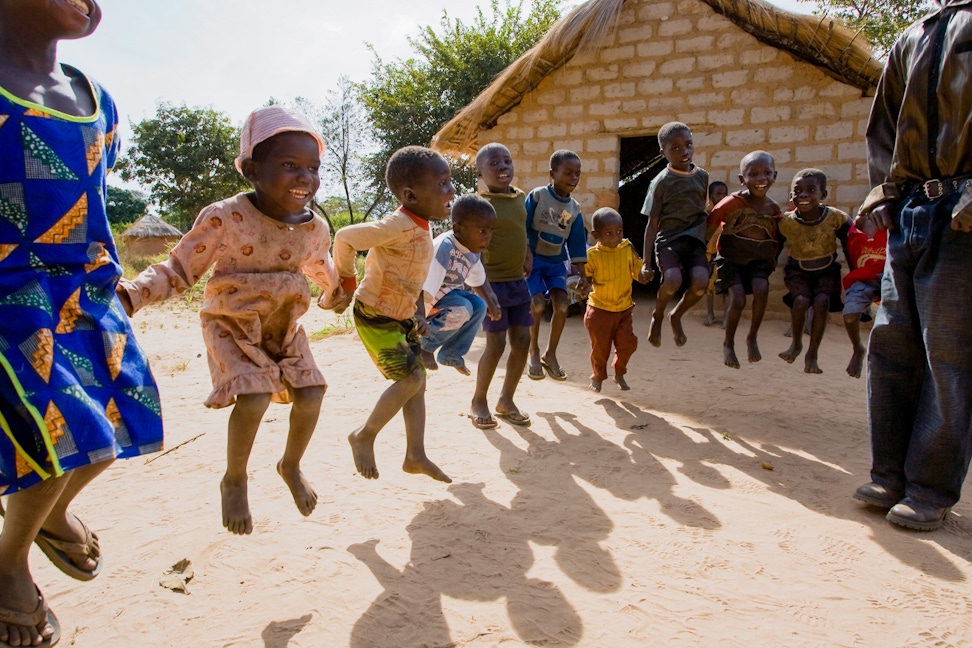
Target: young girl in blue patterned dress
(75, 389)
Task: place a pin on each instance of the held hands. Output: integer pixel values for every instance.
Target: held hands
(493, 310)
(881, 216)
(336, 300)
(647, 274)
(962, 214)
(421, 325)
(125, 300)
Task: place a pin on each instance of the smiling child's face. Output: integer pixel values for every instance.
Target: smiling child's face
(287, 176)
(758, 175)
(54, 19)
(807, 194)
(431, 196)
(678, 150)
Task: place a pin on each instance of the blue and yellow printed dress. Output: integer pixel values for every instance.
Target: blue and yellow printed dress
(75, 387)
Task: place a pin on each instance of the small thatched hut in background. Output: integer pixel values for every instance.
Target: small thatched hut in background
(149, 236)
(743, 74)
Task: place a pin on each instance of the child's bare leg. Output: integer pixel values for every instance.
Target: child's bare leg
(495, 345)
(670, 284)
(389, 403)
(821, 303)
(798, 315)
(519, 345)
(303, 420)
(537, 306)
(416, 462)
(852, 322)
(244, 422)
(737, 302)
(25, 513)
(699, 280)
(560, 303)
(709, 309)
(760, 297)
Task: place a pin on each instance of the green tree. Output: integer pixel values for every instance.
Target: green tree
(125, 206)
(880, 21)
(185, 157)
(407, 101)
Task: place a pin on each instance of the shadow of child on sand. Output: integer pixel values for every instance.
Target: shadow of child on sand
(278, 634)
(474, 550)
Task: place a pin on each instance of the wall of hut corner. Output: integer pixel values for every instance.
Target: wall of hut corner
(681, 61)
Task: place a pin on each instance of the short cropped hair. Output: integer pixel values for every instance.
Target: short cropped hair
(603, 216)
(486, 149)
(716, 184)
(666, 132)
(406, 167)
(560, 156)
(755, 155)
(469, 207)
(816, 174)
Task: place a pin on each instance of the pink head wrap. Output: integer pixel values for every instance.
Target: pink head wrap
(264, 123)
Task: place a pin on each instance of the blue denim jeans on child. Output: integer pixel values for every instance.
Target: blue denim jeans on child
(919, 367)
(453, 326)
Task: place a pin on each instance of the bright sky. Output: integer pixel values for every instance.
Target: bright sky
(233, 55)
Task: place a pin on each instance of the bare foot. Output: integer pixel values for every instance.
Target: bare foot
(595, 386)
(364, 455)
(654, 334)
(428, 359)
(19, 594)
(857, 362)
(753, 348)
(464, 370)
(810, 365)
(236, 507)
(788, 332)
(677, 330)
(422, 466)
(792, 353)
(304, 496)
(709, 319)
(622, 385)
(729, 355)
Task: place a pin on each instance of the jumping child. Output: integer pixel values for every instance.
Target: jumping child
(400, 251)
(555, 231)
(675, 207)
(507, 261)
(454, 313)
(812, 273)
(75, 388)
(261, 244)
(748, 248)
(612, 264)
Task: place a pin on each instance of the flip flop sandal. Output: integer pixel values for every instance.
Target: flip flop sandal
(32, 620)
(57, 551)
(556, 375)
(516, 418)
(536, 375)
(483, 422)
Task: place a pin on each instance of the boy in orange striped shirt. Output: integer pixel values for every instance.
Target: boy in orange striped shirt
(611, 265)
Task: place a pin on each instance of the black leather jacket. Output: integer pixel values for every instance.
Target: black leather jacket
(919, 126)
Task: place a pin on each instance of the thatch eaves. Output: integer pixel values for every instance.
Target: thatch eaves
(151, 226)
(818, 40)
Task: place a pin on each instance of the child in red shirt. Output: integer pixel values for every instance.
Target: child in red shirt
(867, 251)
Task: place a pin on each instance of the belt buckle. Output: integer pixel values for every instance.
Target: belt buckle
(934, 189)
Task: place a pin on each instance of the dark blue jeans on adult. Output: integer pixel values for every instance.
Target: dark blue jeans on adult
(919, 366)
(453, 326)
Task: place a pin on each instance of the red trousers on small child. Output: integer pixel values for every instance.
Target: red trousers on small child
(608, 328)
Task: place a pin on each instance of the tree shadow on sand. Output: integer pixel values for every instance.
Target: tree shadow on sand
(475, 550)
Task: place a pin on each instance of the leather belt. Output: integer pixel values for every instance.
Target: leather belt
(937, 187)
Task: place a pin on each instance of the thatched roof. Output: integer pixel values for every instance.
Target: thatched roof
(821, 41)
(151, 226)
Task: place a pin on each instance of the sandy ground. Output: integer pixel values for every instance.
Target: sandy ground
(706, 507)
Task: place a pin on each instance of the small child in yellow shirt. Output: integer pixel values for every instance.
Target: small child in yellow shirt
(611, 265)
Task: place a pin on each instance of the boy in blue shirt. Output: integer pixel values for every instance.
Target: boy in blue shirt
(555, 232)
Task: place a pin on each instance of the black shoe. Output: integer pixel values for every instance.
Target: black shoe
(913, 514)
(877, 495)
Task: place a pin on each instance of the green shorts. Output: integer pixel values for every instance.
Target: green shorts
(392, 344)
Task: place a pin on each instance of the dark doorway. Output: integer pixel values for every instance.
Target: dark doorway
(641, 161)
